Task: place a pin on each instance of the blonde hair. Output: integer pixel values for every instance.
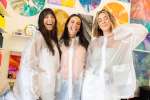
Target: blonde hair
(96, 29)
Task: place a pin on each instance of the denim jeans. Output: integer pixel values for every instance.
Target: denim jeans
(62, 94)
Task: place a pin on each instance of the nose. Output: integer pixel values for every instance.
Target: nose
(103, 21)
(75, 25)
(49, 19)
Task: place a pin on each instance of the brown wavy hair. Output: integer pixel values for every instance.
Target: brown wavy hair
(97, 31)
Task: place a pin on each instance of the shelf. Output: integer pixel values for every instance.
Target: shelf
(1, 49)
(15, 50)
(22, 36)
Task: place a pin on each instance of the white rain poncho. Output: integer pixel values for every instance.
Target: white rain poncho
(110, 73)
(38, 69)
(71, 69)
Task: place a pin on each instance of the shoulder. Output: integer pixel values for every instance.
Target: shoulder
(38, 35)
(36, 41)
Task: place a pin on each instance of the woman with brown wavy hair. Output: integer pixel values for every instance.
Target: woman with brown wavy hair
(110, 73)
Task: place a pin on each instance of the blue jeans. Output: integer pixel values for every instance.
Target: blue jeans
(62, 94)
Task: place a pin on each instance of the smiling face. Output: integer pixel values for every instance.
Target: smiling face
(74, 26)
(49, 22)
(104, 22)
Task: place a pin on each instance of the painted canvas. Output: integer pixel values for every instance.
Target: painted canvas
(141, 58)
(67, 3)
(2, 15)
(87, 25)
(4, 2)
(27, 7)
(140, 9)
(61, 20)
(90, 5)
(119, 12)
(14, 62)
(57, 2)
(2, 22)
(140, 12)
(125, 0)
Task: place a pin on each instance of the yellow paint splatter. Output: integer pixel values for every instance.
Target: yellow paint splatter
(60, 20)
(118, 11)
(2, 22)
(68, 3)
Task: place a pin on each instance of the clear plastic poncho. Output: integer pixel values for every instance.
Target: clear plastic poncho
(110, 73)
(38, 69)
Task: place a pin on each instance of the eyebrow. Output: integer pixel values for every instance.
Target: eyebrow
(104, 17)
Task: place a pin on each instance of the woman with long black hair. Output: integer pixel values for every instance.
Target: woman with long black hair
(40, 62)
(73, 46)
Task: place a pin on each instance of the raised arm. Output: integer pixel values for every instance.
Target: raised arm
(134, 33)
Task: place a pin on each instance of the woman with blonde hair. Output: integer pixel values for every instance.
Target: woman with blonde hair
(110, 73)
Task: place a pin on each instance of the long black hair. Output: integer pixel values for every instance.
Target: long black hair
(48, 35)
(65, 37)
